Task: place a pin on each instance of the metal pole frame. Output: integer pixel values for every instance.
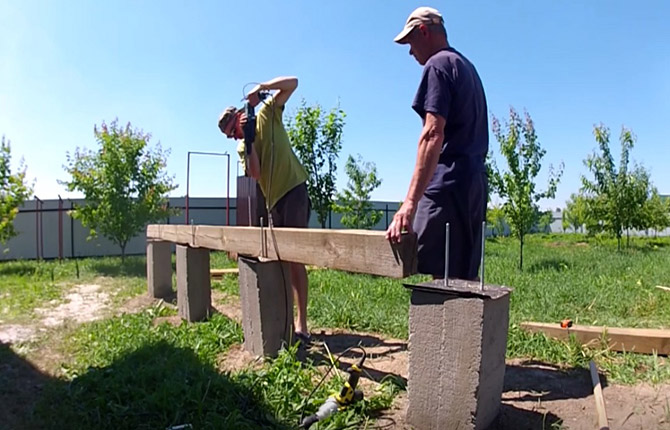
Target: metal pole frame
(188, 175)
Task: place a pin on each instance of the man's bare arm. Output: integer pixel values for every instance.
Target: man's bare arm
(285, 86)
(430, 145)
(428, 153)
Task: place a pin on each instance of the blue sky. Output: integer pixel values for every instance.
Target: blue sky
(170, 68)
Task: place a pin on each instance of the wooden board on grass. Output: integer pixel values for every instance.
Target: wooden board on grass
(640, 340)
(360, 251)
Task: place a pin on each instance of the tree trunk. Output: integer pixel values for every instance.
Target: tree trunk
(627, 238)
(123, 253)
(521, 252)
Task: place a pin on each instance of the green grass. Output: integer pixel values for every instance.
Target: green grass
(565, 276)
(27, 285)
(127, 372)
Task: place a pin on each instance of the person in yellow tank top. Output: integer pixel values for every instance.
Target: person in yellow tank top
(277, 169)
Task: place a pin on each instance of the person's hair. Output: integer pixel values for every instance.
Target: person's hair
(438, 29)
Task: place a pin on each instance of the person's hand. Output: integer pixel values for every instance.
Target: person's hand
(253, 97)
(402, 222)
(243, 119)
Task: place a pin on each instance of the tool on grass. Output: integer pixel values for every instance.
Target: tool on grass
(347, 396)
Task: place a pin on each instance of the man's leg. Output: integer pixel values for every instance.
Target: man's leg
(299, 283)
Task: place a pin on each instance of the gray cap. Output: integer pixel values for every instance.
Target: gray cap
(421, 15)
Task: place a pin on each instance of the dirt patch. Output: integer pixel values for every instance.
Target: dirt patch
(83, 303)
(175, 320)
(227, 305)
(14, 333)
(237, 358)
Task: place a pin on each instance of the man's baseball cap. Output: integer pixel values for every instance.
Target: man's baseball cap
(421, 15)
(226, 116)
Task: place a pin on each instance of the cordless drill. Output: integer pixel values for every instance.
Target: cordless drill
(348, 395)
(250, 126)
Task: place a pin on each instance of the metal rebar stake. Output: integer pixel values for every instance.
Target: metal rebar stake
(261, 239)
(446, 256)
(481, 279)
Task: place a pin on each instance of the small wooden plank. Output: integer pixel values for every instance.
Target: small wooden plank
(640, 340)
(663, 288)
(603, 424)
(219, 273)
(360, 251)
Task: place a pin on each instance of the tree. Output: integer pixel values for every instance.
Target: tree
(14, 191)
(123, 182)
(615, 197)
(574, 215)
(523, 153)
(544, 220)
(657, 212)
(354, 202)
(495, 217)
(316, 137)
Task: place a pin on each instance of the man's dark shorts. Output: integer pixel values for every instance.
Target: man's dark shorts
(293, 210)
(463, 205)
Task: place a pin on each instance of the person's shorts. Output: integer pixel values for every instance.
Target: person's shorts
(293, 209)
(462, 205)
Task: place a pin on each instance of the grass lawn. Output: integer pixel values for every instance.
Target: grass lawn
(127, 371)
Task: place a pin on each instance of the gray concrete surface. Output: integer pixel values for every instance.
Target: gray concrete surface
(456, 359)
(159, 269)
(267, 305)
(194, 292)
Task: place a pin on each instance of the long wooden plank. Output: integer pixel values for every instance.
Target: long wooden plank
(603, 424)
(360, 251)
(641, 340)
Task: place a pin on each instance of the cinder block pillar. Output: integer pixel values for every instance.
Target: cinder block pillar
(159, 269)
(267, 305)
(194, 292)
(457, 343)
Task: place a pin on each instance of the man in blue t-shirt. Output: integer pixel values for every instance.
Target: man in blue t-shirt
(449, 183)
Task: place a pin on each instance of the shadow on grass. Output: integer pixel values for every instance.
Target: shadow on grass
(543, 382)
(132, 266)
(18, 269)
(555, 264)
(375, 347)
(154, 387)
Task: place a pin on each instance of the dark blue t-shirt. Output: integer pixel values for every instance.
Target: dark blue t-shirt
(450, 86)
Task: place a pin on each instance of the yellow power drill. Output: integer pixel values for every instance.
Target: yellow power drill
(337, 401)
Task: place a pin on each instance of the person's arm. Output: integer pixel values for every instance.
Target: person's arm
(430, 145)
(284, 85)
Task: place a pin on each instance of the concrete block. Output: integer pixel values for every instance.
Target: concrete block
(194, 291)
(457, 344)
(159, 269)
(267, 305)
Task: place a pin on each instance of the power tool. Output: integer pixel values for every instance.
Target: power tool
(348, 395)
(249, 129)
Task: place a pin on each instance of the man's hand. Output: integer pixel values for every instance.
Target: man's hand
(402, 222)
(253, 97)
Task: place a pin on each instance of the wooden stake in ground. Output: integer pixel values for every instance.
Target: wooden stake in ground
(598, 396)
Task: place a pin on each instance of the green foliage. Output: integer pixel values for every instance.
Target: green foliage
(656, 212)
(123, 182)
(316, 137)
(523, 153)
(13, 193)
(575, 213)
(495, 217)
(615, 197)
(354, 202)
(544, 221)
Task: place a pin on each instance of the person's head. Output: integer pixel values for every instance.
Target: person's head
(424, 33)
(229, 123)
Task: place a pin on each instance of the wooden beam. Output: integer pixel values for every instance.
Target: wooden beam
(360, 251)
(603, 424)
(640, 340)
(661, 287)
